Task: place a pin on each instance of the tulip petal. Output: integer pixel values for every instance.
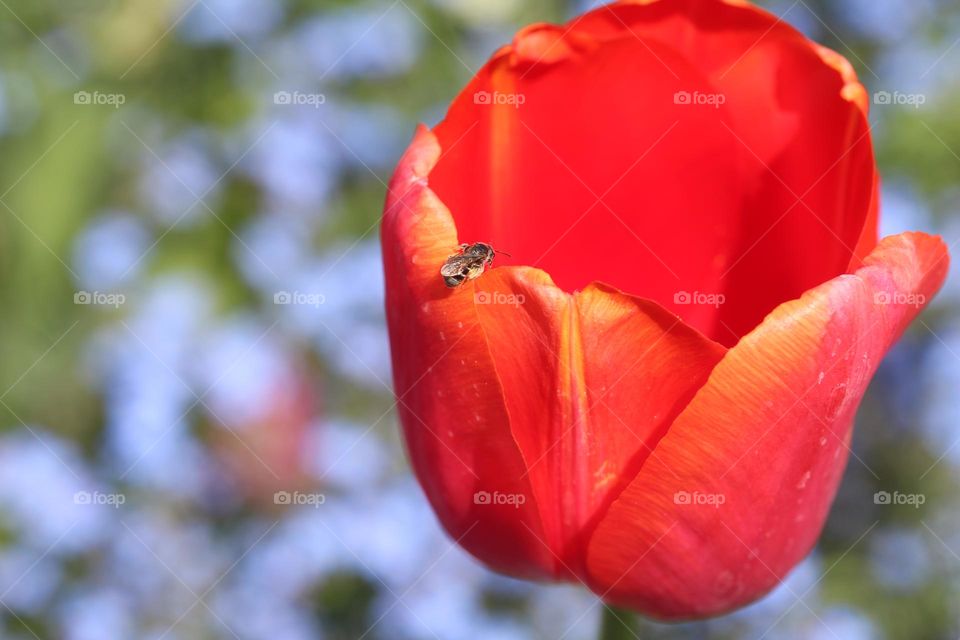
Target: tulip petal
(592, 381)
(758, 198)
(541, 386)
(449, 397)
(769, 434)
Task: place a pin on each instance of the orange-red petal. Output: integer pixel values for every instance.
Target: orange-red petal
(758, 198)
(591, 382)
(510, 386)
(769, 432)
(449, 397)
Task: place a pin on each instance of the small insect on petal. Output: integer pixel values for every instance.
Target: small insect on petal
(467, 264)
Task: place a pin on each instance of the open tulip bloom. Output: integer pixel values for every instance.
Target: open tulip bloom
(654, 394)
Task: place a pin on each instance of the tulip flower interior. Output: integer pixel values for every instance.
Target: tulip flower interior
(699, 176)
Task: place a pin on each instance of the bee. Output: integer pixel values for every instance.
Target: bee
(468, 263)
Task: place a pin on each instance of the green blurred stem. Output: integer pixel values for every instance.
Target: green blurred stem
(618, 624)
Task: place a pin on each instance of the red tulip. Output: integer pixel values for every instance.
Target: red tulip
(656, 397)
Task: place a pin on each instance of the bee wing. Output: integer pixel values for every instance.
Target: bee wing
(455, 265)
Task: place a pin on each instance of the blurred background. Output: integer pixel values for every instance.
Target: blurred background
(197, 435)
